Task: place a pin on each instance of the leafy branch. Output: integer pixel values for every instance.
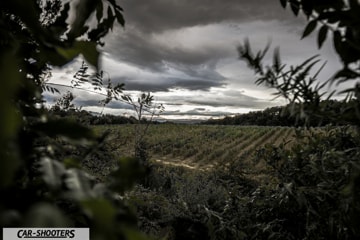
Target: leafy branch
(144, 104)
(296, 84)
(342, 19)
(34, 35)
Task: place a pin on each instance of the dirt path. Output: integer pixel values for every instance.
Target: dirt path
(184, 164)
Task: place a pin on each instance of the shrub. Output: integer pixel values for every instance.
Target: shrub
(313, 199)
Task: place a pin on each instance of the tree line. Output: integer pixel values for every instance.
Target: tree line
(285, 116)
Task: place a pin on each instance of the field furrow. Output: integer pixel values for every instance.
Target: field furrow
(270, 138)
(197, 146)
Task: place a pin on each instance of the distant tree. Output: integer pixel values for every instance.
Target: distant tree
(64, 103)
(283, 116)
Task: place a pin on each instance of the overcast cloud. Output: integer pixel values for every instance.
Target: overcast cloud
(184, 52)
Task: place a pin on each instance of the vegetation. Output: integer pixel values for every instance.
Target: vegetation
(42, 183)
(284, 116)
(87, 118)
(196, 146)
(295, 83)
(234, 182)
(316, 192)
(206, 182)
(318, 175)
(191, 167)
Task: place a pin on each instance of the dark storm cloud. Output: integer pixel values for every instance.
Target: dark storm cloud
(202, 71)
(132, 84)
(96, 103)
(149, 40)
(135, 48)
(195, 66)
(183, 38)
(167, 83)
(184, 51)
(191, 78)
(162, 15)
(143, 50)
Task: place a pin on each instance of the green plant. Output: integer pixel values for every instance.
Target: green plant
(314, 176)
(64, 103)
(35, 34)
(173, 209)
(144, 105)
(318, 177)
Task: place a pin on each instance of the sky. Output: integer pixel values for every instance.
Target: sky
(185, 53)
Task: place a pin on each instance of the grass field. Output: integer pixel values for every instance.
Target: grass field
(236, 182)
(201, 147)
(198, 145)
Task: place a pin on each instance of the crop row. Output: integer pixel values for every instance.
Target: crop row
(197, 145)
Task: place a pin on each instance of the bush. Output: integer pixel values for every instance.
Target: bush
(315, 199)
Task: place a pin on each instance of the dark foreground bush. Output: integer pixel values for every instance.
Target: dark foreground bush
(316, 195)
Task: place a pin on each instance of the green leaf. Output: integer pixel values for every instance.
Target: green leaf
(29, 14)
(60, 25)
(120, 18)
(10, 120)
(87, 49)
(355, 5)
(127, 172)
(52, 172)
(345, 51)
(322, 35)
(79, 184)
(309, 28)
(66, 128)
(332, 17)
(307, 7)
(283, 3)
(295, 7)
(44, 214)
(110, 18)
(102, 212)
(83, 11)
(99, 11)
(134, 234)
(101, 30)
(110, 14)
(346, 74)
(337, 42)
(277, 60)
(72, 163)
